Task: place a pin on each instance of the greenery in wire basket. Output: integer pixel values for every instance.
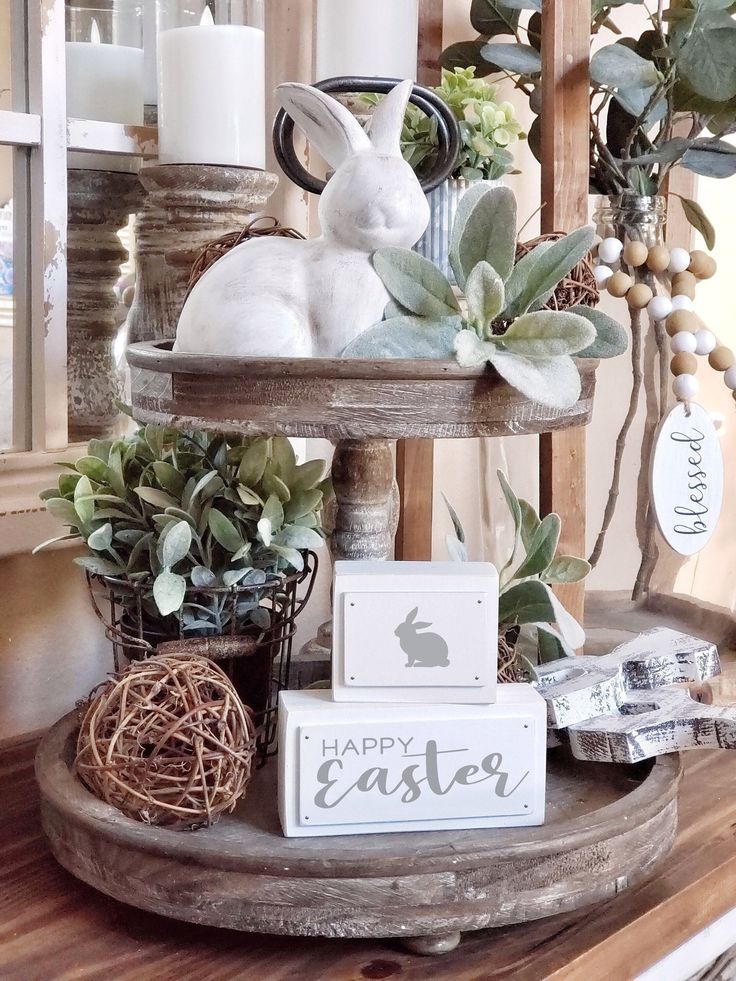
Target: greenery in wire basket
(487, 127)
(185, 511)
(526, 598)
(498, 318)
(677, 77)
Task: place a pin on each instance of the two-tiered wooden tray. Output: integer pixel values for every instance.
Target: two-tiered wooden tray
(607, 826)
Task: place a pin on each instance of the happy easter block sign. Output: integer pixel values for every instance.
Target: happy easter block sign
(357, 769)
(415, 632)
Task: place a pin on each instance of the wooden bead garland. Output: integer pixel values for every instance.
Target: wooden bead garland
(688, 337)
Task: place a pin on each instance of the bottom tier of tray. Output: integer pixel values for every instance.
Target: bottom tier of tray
(607, 828)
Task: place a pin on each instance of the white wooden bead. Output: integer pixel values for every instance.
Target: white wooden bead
(685, 387)
(679, 261)
(610, 249)
(602, 274)
(705, 341)
(683, 342)
(729, 377)
(682, 303)
(659, 307)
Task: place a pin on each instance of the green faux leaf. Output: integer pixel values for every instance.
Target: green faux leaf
(519, 59)
(530, 522)
(168, 592)
(406, 337)
(551, 266)
(253, 463)
(94, 468)
(572, 633)
(706, 59)
(202, 577)
(416, 283)
(711, 157)
(177, 543)
(551, 645)
(490, 18)
(63, 511)
(272, 484)
(512, 503)
(272, 519)
(248, 496)
(618, 66)
(471, 351)
(297, 536)
(115, 472)
(525, 602)
(554, 383)
(611, 338)
(548, 334)
(171, 479)
(292, 557)
(154, 436)
(101, 538)
(456, 549)
(283, 455)
(100, 448)
(84, 503)
(699, 220)
(456, 522)
(98, 566)
(517, 281)
(485, 295)
(156, 497)
(668, 152)
(224, 531)
(566, 568)
(301, 504)
(484, 230)
(541, 549)
(307, 476)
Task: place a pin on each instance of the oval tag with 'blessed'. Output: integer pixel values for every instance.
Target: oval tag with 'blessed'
(686, 478)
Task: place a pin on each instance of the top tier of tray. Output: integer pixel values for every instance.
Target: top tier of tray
(338, 399)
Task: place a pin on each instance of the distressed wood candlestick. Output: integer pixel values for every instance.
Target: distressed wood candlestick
(187, 207)
(99, 205)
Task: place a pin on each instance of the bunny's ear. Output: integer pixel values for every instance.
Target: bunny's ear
(324, 121)
(421, 624)
(388, 119)
(410, 616)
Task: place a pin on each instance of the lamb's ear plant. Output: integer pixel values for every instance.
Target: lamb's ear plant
(498, 317)
(176, 512)
(527, 603)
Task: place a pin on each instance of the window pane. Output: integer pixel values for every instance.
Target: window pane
(12, 61)
(11, 346)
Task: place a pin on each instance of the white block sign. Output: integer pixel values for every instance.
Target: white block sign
(415, 632)
(686, 479)
(355, 769)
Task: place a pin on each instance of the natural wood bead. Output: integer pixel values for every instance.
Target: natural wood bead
(721, 358)
(702, 265)
(684, 364)
(684, 284)
(681, 320)
(640, 294)
(635, 254)
(658, 258)
(619, 284)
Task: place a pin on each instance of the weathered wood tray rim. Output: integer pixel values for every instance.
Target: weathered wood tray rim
(64, 792)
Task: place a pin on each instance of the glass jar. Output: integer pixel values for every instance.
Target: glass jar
(211, 83)
(632, 216)
(104, 72)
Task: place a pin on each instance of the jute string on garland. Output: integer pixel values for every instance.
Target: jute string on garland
(167, 742)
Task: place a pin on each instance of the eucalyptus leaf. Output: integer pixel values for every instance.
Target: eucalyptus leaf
(706, 58)
(549, 334)
(168, 592)
(710, 157)
(485, 294)
(466, 53)
(699, 220)
(566, 569)
(519, 59)
(406, 337)
(416, 283)
(491, 18)
(525, 5)
(668, 152)
(484, 230)
(554, 383)
(177, 543)
(541, 548)
(224, 531)
(551, 266)
(618, 66)
(611, 338)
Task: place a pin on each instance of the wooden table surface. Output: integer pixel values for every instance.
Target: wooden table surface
(54, 927)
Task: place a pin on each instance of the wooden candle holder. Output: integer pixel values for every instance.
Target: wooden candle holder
(187, 207)
(99, 205)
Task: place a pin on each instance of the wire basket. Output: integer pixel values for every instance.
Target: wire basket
(255, 654)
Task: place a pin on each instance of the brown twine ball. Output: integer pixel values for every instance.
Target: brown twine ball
(167, 742)
(577, 288)
(263, 227)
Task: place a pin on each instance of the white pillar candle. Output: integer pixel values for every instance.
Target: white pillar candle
(150, 32)
(376, 39)
(212, 95)
(104, 82)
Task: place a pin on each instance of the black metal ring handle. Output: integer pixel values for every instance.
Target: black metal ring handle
(448, 131)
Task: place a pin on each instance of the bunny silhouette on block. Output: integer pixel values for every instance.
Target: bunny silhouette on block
(422, 650)
(279, 297)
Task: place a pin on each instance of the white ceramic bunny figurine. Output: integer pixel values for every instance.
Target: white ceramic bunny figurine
(280, 297)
